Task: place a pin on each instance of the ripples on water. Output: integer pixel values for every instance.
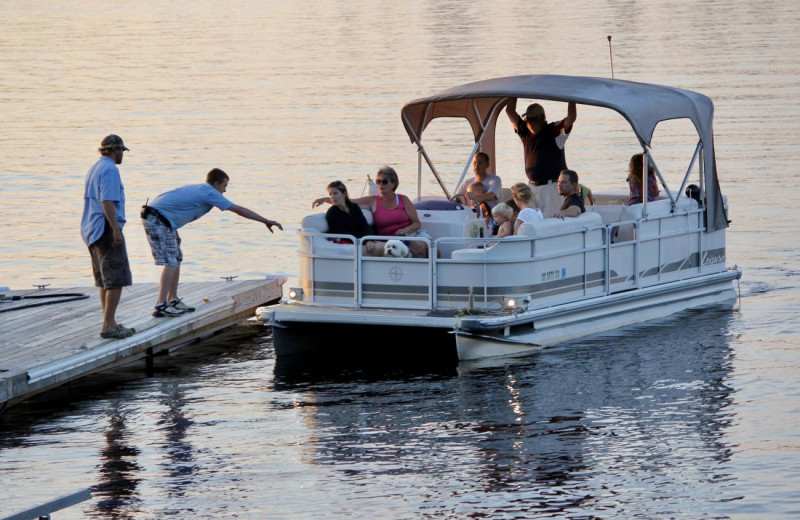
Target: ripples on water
(286, 100)
(609, 427)
(694, 417)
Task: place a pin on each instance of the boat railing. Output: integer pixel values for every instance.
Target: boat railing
(652, 237)
(341, 274)
(516, 259)
(409, 283)
(489, 271)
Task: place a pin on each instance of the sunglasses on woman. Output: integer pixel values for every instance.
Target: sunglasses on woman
(382, 181)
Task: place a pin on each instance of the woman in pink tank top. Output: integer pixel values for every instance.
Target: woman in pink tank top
(393, 214)
(388, 221)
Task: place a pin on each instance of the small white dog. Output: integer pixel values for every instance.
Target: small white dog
(396, 248)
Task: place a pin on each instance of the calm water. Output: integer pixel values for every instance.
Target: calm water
(693, 417)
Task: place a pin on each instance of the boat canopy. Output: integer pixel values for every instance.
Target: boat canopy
(643, 105)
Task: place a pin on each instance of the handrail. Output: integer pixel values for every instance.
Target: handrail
(484, 291)
(58, 504)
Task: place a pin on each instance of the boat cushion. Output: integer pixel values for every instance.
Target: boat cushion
(437, 205)
(556, 225)
(610, 213)
(549, 226)
(316, 223)
(658, 208)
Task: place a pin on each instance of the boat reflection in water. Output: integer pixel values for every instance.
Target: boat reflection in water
(622, 423)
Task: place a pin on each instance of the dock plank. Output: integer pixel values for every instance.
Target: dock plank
(46, 346)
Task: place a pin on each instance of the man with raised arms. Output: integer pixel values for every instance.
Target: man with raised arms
(543, 144)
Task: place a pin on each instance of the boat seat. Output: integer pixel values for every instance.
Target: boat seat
(609, 213)
(316, 223)
(657, 208)
(556, 225)
(437, 205)
(616, 197)
(498, 250)
(549, 226)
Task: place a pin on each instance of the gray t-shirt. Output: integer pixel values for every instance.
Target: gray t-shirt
(492, 183)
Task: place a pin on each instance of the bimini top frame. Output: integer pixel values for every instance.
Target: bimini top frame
(643, 105)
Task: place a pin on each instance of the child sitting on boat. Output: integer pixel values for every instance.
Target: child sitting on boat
(503, 215)
(474, 193)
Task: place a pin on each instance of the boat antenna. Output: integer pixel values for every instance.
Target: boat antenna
(610, 56)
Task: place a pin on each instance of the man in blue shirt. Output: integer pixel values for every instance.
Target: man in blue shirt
(101, 230)
(171, 211)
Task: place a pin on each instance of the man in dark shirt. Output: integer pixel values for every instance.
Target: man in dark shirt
(543, 144)
(568, 188)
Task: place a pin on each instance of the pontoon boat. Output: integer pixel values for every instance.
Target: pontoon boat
(559, 279)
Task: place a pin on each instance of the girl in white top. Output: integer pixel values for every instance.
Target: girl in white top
(523, 197)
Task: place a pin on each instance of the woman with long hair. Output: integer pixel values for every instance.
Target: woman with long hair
(635, 169)
(344, 216)
(393, 214)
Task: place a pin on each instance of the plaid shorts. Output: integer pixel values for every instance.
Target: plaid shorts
(165, 243)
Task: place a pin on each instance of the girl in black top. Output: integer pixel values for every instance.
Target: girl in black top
(344, 216)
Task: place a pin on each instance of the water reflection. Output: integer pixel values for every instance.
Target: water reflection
(635, 421)
(118, 474)
(179, 460)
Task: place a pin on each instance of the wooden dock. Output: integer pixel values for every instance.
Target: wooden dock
(48, 345)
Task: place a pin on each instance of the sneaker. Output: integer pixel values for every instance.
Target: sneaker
(178, 304)
(166, 310)
(118, 332)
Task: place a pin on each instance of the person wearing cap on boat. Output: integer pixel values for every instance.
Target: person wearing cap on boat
(543, 144)
(101, 229)
(572, 204)
(171, 211)
(493, 184)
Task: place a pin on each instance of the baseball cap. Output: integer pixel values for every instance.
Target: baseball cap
(112, 141)
(534, 110)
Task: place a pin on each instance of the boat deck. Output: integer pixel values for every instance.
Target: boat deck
(44, 345)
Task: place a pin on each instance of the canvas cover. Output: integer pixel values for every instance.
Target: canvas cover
(643, 105)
